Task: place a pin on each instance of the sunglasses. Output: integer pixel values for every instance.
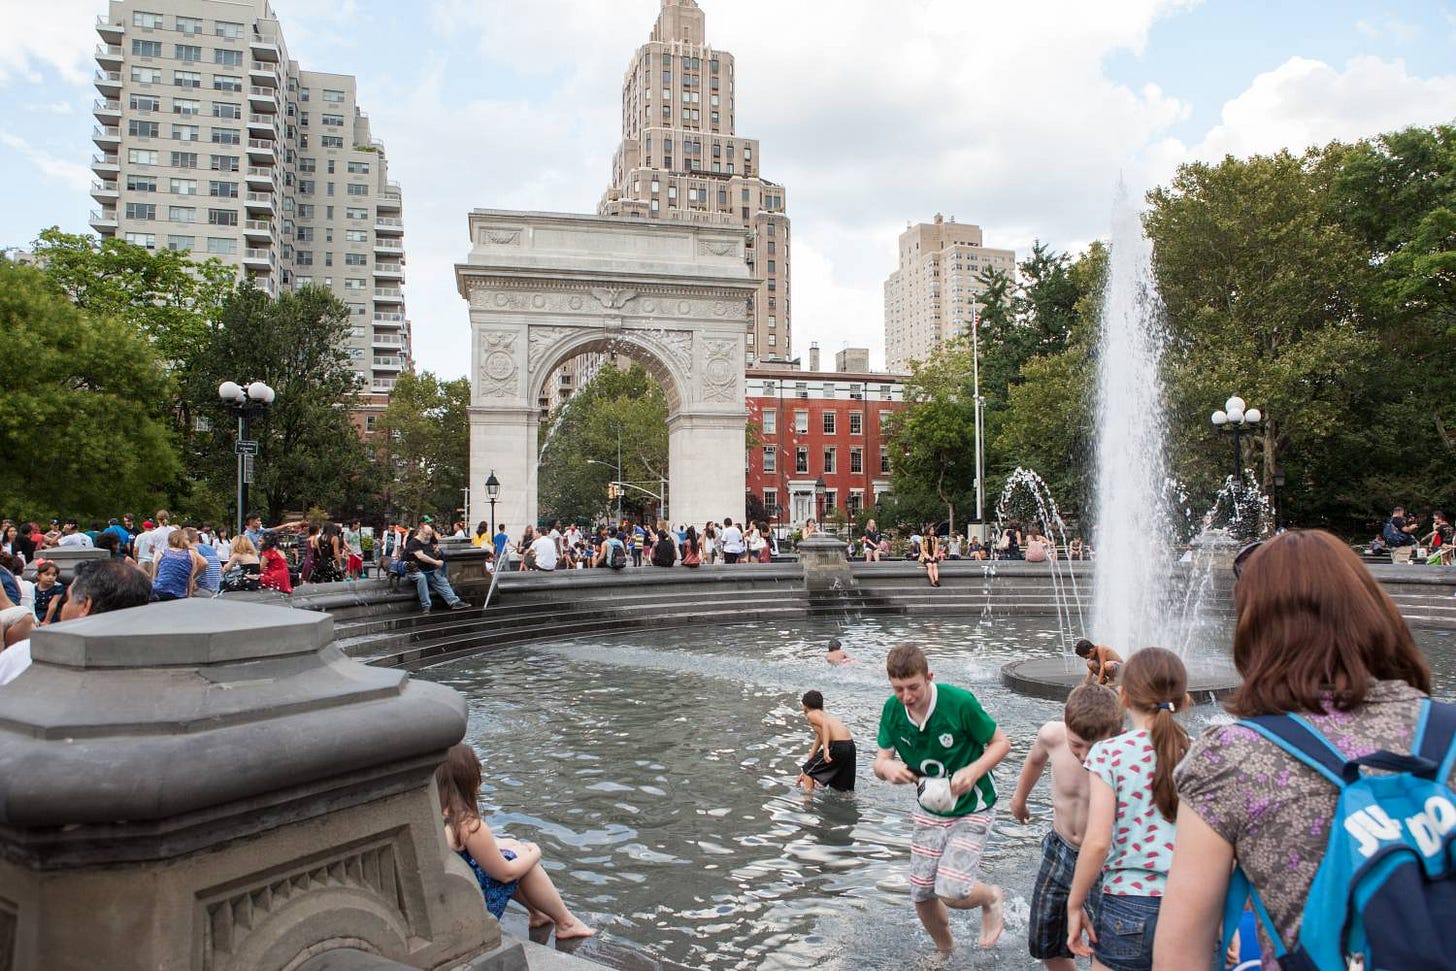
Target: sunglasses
(1242, 557)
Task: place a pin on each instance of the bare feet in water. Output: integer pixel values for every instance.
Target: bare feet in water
(993, 919)
(568, 929)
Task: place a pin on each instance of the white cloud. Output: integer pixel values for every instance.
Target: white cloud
(61, 38)
(73, 175)
(1306, 102)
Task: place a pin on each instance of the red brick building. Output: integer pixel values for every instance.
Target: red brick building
(819, 424)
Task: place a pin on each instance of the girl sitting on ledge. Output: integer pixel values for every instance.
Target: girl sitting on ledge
(505, 868)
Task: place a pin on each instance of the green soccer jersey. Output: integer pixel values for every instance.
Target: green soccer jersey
(955, 734)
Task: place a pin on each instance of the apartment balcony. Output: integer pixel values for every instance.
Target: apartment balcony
(106, 136)
(264, 77)
(389, 200)
(259, 260)
(108, 55)
(109, 83)
(388, 363)
(106, 108)
(388, 294)
(263, 100)
(259, 202)
(387, 340)
(258, 229)
(264, 49)
(103, 220)
(261, 152)
(260, 177)
(388, 247)
(386, 271)
(109, 32)
(105, 164)
(384, 385)
(389, 225)
(261, 126)
(388, 320)
(104, 192)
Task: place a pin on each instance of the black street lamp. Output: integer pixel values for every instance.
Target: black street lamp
(1278, 497)
(245, 403)
(1237, 419)
(819, 490)
(492, 489)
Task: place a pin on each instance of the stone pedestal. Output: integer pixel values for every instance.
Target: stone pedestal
(66, 558)
(828, 578)
(211, 784)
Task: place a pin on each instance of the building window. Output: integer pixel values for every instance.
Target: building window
(333, 121)
(352, 213)
(145, 102)
(223, 83)
(182, 214)
(232, 31)
(221, 247)
(184, 187)
(141, 156)
(146, 75)
(143, 129)
(357, 189)
(185, 133)
(149, 21)
(333, 97)
(224, 163)
(226, 136)
(331, 141)
(184, 79)
(358, 168)
(146, 48)
(770, 459)
(187, 52)
(227, 58)
(141, 183)
(146, 240)
(141, 210)
(189, 25)
(771, 503)
(856, 501)
(801, 458)
(222, 217)
(829, 423)
(856, 460)
(884, 459)
(829, 457)
(356, 259)
(183, 160)
(222, 190)
(856, 422)
(225, 109)
(181, 244)
(831, 500)
(770, 422)
(801, 423)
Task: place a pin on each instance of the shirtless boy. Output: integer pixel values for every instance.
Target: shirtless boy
(1093, 713)
(836, 655)
(1103, 663)
(831, 758)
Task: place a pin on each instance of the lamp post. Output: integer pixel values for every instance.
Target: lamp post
(492, 489)
(819, 490)
(1236, 418)
(1278, 497)
(245, 402)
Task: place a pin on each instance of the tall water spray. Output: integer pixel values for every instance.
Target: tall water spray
(1130, 599)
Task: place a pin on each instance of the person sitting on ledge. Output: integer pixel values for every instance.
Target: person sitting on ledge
(98, 587)
(504, 868)
(1103, 663)
(425, 558)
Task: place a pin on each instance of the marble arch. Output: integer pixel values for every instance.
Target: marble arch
(545, 287)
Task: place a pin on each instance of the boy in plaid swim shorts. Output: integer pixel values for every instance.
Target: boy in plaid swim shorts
(940, 732)
(1092, 713)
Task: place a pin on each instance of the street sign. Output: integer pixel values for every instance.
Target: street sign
(248, 469)
(247, 447)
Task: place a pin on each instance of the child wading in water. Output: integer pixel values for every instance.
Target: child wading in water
(1130, 821)
(505, 868)
(1093, 713)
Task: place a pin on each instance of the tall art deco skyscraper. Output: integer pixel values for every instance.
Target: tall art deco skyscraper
(680, 159)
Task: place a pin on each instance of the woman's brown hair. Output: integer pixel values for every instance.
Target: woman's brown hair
(458, 781)
(1155, 683)
(1314, 628)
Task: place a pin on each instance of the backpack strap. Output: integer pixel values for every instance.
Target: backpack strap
(1241, 892)
(1436, 737)
(1301, 740)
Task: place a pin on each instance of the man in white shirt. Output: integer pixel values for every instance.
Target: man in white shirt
(146, 547)
(73, 538)
(732, 542)
(545, 548)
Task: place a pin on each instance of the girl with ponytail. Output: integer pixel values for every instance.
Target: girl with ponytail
(1131, 815)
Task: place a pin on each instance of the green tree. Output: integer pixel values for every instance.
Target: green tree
(309, 451)
(423, 444)
(1265, 296)
(932, 442)
(79, 430)
(169, 298)
(579, 445)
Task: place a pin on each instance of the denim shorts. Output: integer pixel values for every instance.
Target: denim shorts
(1125, 929)
(1047, 926)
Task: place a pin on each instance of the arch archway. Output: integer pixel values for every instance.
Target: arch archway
(544, 288)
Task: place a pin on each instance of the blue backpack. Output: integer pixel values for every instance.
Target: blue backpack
(1384, 896)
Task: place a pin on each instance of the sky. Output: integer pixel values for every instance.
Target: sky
(1019, 117)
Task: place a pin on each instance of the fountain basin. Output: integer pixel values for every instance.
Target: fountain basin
(1054, 678)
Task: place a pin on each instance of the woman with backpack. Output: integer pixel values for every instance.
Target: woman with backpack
(1315, 637)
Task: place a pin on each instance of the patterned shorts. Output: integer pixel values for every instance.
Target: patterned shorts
(1046, 931)
(945, 853)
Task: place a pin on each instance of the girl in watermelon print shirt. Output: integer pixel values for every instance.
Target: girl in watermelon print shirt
(1130, 823)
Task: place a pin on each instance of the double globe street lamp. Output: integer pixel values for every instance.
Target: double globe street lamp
(245, 402)
(1237, 419)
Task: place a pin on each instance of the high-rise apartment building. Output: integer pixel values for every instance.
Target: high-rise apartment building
(680, 159)
(212, 140)
(933, 294)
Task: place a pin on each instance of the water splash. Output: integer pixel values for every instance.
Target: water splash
(1026, 496)
(1133, 567)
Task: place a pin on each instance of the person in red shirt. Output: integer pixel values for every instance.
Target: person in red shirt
(275, 566)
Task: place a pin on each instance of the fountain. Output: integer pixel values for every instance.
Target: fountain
(1136, 600)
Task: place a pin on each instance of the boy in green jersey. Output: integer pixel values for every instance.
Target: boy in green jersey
(939, 732)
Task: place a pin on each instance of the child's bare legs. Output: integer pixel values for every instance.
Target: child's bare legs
(1060, 964)
(936, 919)
(541, 897)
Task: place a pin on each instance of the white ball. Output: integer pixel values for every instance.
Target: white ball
(935, 795)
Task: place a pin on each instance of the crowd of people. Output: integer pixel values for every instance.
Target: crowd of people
(1232, 850)
(627, 543)
(1407, 538)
